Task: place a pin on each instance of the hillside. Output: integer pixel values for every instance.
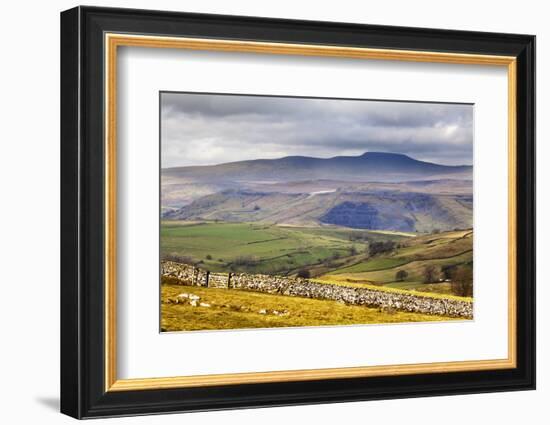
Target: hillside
(443, 251)
(375, 210)
(246, 309)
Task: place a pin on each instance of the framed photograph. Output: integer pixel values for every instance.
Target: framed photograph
(261, 212)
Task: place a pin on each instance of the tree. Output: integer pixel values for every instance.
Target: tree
(379, 247)
(448, 271)
(463, 282)
(430, 274)
(401, 275)
(304, 273)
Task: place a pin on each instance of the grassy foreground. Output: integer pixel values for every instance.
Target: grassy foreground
(240, 309)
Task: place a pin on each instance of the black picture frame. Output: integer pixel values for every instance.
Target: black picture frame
(83, 392)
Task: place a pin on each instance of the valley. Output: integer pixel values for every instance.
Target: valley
(329, 254)
(382, 222)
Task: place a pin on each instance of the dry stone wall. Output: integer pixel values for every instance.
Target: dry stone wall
(298, 287)
(218, 280)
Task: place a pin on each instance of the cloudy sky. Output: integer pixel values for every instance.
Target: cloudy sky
(202, 129)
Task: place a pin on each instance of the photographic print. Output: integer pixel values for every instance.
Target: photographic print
(314, 212)
(289, 211)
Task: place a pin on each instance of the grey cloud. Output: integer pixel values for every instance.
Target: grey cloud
(202, 129)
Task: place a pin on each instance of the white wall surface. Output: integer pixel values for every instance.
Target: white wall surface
(29, 209)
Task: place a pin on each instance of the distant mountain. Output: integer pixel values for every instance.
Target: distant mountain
(369, 167)
(376, 190)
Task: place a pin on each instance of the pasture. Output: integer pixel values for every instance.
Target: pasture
(240, 309)
(262, 248)
(332, 254)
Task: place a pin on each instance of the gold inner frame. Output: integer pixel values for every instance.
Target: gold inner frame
(113, 41)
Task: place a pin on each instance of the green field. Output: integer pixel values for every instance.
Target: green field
(372, 264)
(263, 248)
(333, 254)
(238, 309)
